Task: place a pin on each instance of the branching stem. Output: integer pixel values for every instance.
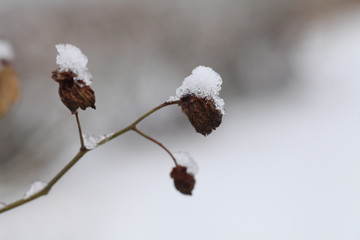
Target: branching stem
(156, 142)
(48, 187)
(83, 151)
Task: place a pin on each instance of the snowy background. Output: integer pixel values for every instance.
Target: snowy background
(284, 164)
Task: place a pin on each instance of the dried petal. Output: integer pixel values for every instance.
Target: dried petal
(60, 76)
(202, 113)
(184, 182)
(73, 94)
(9, 87)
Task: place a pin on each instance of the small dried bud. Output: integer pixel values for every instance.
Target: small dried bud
(201, 112)
(184, 182)
(74, 94)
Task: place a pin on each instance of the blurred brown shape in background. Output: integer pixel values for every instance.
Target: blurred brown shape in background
(9, 87)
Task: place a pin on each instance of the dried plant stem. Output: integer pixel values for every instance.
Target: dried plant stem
(156, 142)
(48, 187)
(136, 122)
(80, 131)
(83, 151)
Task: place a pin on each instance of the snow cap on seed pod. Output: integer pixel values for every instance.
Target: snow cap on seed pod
(198, 97)
(74, 78)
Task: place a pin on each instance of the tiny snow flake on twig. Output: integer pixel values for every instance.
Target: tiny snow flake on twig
(35, 187)
(91, 141)
(70, 58)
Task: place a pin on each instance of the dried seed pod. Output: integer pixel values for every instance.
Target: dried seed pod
(199, 99)
(9, 86)
(74, 94)
(74, 78)
(184, 182)
(201, 112)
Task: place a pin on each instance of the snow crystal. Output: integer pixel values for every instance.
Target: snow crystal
(34, 188)
(204, 82)
(70, 58)
(184, 159)
(6, 51)
(91, 141)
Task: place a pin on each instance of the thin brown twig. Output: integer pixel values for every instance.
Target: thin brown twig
(79, 155)
(48, 187)
(80, 131)
(156, 142)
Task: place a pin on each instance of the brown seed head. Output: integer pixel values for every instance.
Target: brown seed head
(184, 182)
(9, 86)
(73, 94)
(201, 112)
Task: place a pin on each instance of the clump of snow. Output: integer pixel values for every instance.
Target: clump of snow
(184, 159)
(70, 58)
(35, 187)
(6, 51)
(91, 141)
(203, 82)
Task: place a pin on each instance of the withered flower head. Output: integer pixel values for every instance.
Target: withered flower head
(202, 113)
(198, 97)
(9, 84)
(184, 182)
(183, 174)
(74, 78)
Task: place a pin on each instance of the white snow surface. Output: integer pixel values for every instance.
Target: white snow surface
(184, 159)
(70, 58)
(91, 141)
(2, 205)
(35, 187)
(203, 82)
(6, 51)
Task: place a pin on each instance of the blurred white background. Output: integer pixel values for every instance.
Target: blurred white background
(284, 164)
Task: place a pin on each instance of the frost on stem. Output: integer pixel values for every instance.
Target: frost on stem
(74, 78)
(34, 188)
(199, 99)
(9, 84)
(91, 141)
(184, 173)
